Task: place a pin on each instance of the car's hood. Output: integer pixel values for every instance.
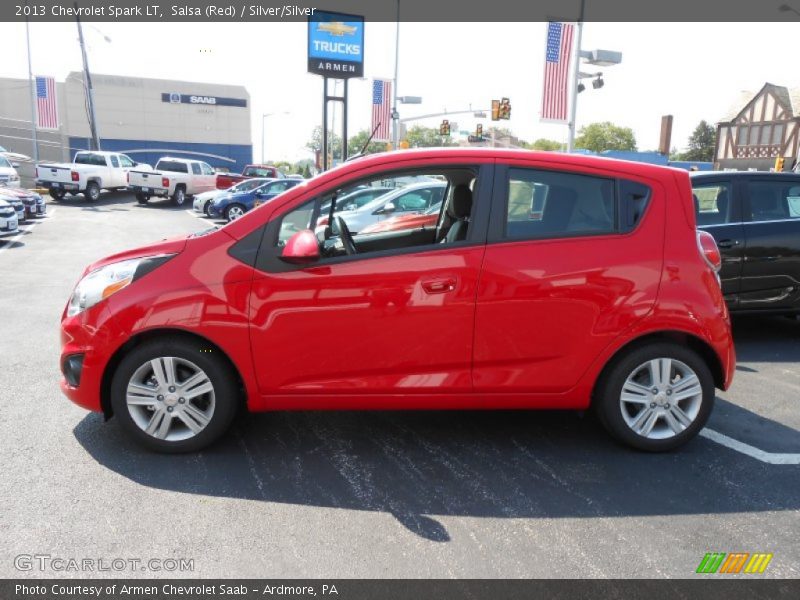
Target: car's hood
(168, 246)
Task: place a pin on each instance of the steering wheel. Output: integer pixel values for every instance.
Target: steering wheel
(345, 236)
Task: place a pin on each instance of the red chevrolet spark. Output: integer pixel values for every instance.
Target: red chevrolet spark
(550, 281)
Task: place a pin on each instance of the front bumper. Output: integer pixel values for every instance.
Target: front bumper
(9, 226)
(88, 341)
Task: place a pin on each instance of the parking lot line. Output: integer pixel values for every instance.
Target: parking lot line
(10, 241)
(195, 214)
(772, 458)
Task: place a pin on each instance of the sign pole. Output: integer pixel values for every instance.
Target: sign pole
(573, 92)
(324, 123)
(344, 122)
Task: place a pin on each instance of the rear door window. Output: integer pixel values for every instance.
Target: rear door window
(712, 203)
(196, 170)
(544, 204)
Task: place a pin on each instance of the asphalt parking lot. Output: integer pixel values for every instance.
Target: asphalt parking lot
(483, 495)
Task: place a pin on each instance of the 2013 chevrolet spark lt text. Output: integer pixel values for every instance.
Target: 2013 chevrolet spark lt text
(549, 281)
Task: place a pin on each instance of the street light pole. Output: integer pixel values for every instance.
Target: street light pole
(573, 92)
(33, 93)
(395, 114)
(87, 80)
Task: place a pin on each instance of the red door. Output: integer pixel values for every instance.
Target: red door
(560, 280)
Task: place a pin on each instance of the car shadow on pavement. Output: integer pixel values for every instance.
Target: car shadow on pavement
(766, 339)
(415, 465)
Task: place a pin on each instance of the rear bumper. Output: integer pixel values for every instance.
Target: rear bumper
(153, 191)
(58, 185)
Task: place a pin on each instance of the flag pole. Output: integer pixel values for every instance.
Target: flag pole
(573, 92)
(33, 92)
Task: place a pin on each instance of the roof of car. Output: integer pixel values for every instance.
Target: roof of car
(743, 174)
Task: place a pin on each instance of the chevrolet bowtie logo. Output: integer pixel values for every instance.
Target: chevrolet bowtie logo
(336, 28)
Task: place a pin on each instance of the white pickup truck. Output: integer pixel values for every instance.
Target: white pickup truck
(90, 172)
(175, 178)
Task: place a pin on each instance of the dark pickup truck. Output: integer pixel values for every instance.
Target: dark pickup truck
(755, 219)
(226, 180)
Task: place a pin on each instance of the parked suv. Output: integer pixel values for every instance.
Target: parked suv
(755, 220)
(549, 281)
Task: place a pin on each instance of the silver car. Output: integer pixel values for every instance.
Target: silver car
(9, 223)
(407, 200)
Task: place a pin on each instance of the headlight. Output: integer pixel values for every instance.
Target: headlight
(105, 281)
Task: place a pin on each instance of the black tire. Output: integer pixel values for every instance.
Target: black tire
(142, 198)
(607, 400)
(232, 212)
(57, 194)
(218, 371)
(179, 197)
(92, 192)
(207, 209)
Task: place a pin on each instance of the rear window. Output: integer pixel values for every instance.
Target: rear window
(258, 172)
(90, 158)
(172, 165)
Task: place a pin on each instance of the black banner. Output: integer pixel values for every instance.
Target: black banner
(710, 588)
(410, 10)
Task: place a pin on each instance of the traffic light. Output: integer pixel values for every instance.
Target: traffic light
(504, 109)
(495, 110)
(444, 128)
(479, 130)
(779, 164)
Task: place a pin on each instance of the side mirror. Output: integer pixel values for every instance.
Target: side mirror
(388, 208)
(135, 164)
(301, 249)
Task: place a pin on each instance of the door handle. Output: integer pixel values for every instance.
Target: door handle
(727, 243)
(439, 286)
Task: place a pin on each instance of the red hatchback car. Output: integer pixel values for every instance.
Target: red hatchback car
(551, 281)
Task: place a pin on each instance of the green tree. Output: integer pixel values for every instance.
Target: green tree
(545, 144)
(426, 137)
(357, 142)
(701, 143)
(334, 142)
(598, 137)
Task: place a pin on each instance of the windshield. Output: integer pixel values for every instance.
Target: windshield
(246, 186)
(4, 162)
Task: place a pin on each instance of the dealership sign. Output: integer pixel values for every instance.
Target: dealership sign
(336, 45)
(175, 98)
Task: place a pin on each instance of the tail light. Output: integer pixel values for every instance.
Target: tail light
(709, 250)
(75, 176)
(164, 182)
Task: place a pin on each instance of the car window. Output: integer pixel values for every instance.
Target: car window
(4, 162)
(90, 158)
(173, 166)
(114, 161)
(712, 204)
(206, 168)
(125, 161)
(246, 186)
(196, 170)
(773, 200)
(277, 188)
(316, 213)
(551, 203)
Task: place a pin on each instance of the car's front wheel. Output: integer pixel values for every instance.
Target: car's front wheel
(233, 212)
(656, 397)
(174, 395)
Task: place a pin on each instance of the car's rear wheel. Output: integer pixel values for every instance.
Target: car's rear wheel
(179, 197)
(233, 212)
(142, 198)
(173, 395)
(655, 397)
(92, 193)
(57, 194)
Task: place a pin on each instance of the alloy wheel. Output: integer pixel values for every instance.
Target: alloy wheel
(170, 398)
(661, 398)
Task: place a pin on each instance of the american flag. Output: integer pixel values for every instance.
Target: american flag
(46, 108)
(556, 71)
(381, 109)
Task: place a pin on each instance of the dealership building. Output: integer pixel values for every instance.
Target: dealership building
(144, 118)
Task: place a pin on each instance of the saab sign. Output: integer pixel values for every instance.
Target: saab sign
(336, 45)
(175, 98)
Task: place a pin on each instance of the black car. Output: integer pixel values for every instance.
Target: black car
(755, 219)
